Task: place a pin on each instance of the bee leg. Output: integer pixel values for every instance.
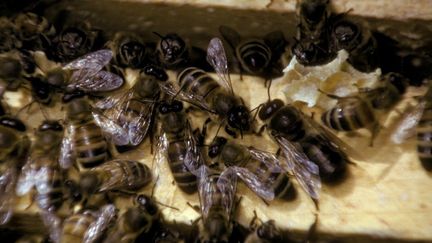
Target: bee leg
(195, 208)
(312, 231)
(230, 132)
(33, 199)
(374, 130)
(260, 130)
(113, 150)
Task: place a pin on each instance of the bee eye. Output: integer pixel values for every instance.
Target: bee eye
(164, 108)
(176, 106)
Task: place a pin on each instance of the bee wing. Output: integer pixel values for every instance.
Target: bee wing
(406, 127)
(111, 129)
(67, 154)
(305, 171)
(53, 223)
(193, 158)
(206, 190)
(266, 158)
(252, 181)
(107, 215)
(196, 100)
(27, 178)
(88, 81)
(227, 185)
(114, 101)
(93, 61)
(217, 58)
(139, 126)
(8, 182)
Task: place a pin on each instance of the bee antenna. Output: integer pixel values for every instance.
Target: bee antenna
(156, 33)
(268, 91)
(44, 113)
(27, 106)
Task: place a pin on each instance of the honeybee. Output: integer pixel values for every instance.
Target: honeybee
(87, 225)
(42, 170)
(260, 170)
(129, 50)
(35, 31)
(216, 97)
(312, 46)
(135, 220)
(389, 93)
(178, 145)
(134, 109)
(88, 135)
(358, 40)
(14, 147)
(118, 174)
(257, 56)
(263, 232)
(310, 151)
(217, 199)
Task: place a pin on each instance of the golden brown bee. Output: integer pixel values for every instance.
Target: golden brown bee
(135, 220)
(118, 174)
(134, 109)
(14, 146)
(178, 145)
(217, 97)
(129, 50)
(87, 226)
(257, 56)
(260, 170)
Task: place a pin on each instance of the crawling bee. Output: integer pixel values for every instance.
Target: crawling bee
(134, 109)
(88, 135)
(118, 174)
(358, 40)
(129, 51)
(260, 170)
(178, 145)
(217, 97)
(263, 232)
(312, 46)
(257, 56)
(14, 147)
(311, 152)
(135, 220)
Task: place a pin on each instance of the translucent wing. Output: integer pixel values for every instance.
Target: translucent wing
(406, 127)
(7, 194)
(269, 159)
(107, 215)
(305, 171)
(27, 178)
(196, 100)
(53, 223)
(139, 126)
(111, 129)
(227, 186)
(255, 183)
(193, 158)
(101, 81)
(114, 101)
(67, 154)
(217, 58)
(92, 62)
(206, 189)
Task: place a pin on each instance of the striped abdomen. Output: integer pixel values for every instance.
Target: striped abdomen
(50, 195)
(197, 82)
(90, 145)
(288, 122)
(75, 227)
(124, 175)
(185, 180)
(349, 115)
(254, 55)
(424, 138)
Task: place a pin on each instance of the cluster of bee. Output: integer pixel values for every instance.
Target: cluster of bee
(98, 122)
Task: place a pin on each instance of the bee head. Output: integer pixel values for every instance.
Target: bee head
(269, 108)
(13, 123)
(216, 146)
(171, 48)
(147, 204)
(217, 229)
(345, 34)
(132, 53)
(313, 10)
(268, 231)
(239, 118)
(156, 72)
(56, 77)
(52, 125)
(398, 81)
(174, 106)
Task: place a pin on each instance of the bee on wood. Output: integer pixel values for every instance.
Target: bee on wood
(311, 152)
(14, 147)
(259, 170)
(214, 96)
(134, 109)
(129, 51)
(312, 46)
(257, 56)
(88, 135)
(177, 144)
(357, 40)
(136, 220)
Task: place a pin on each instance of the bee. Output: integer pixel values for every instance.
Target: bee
(178, 145)
(118, 174)
(135, 220)
(311, 152)
(88, 135)
(260, 170)
(87, 225)
(357, 40)
(165, 235)
(312, 46)
(14, 146)
(257, 56)
(217, 198)
(134, 109)
(42, 170)
(263, 232)
(389, 93)
(129, 51)
(217, 97)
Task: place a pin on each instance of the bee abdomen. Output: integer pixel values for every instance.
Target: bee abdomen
(424, 139)
(91, 146)
(137, 174)
(183, 177)
(197, 81)
(52, 196)
(349, 116)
